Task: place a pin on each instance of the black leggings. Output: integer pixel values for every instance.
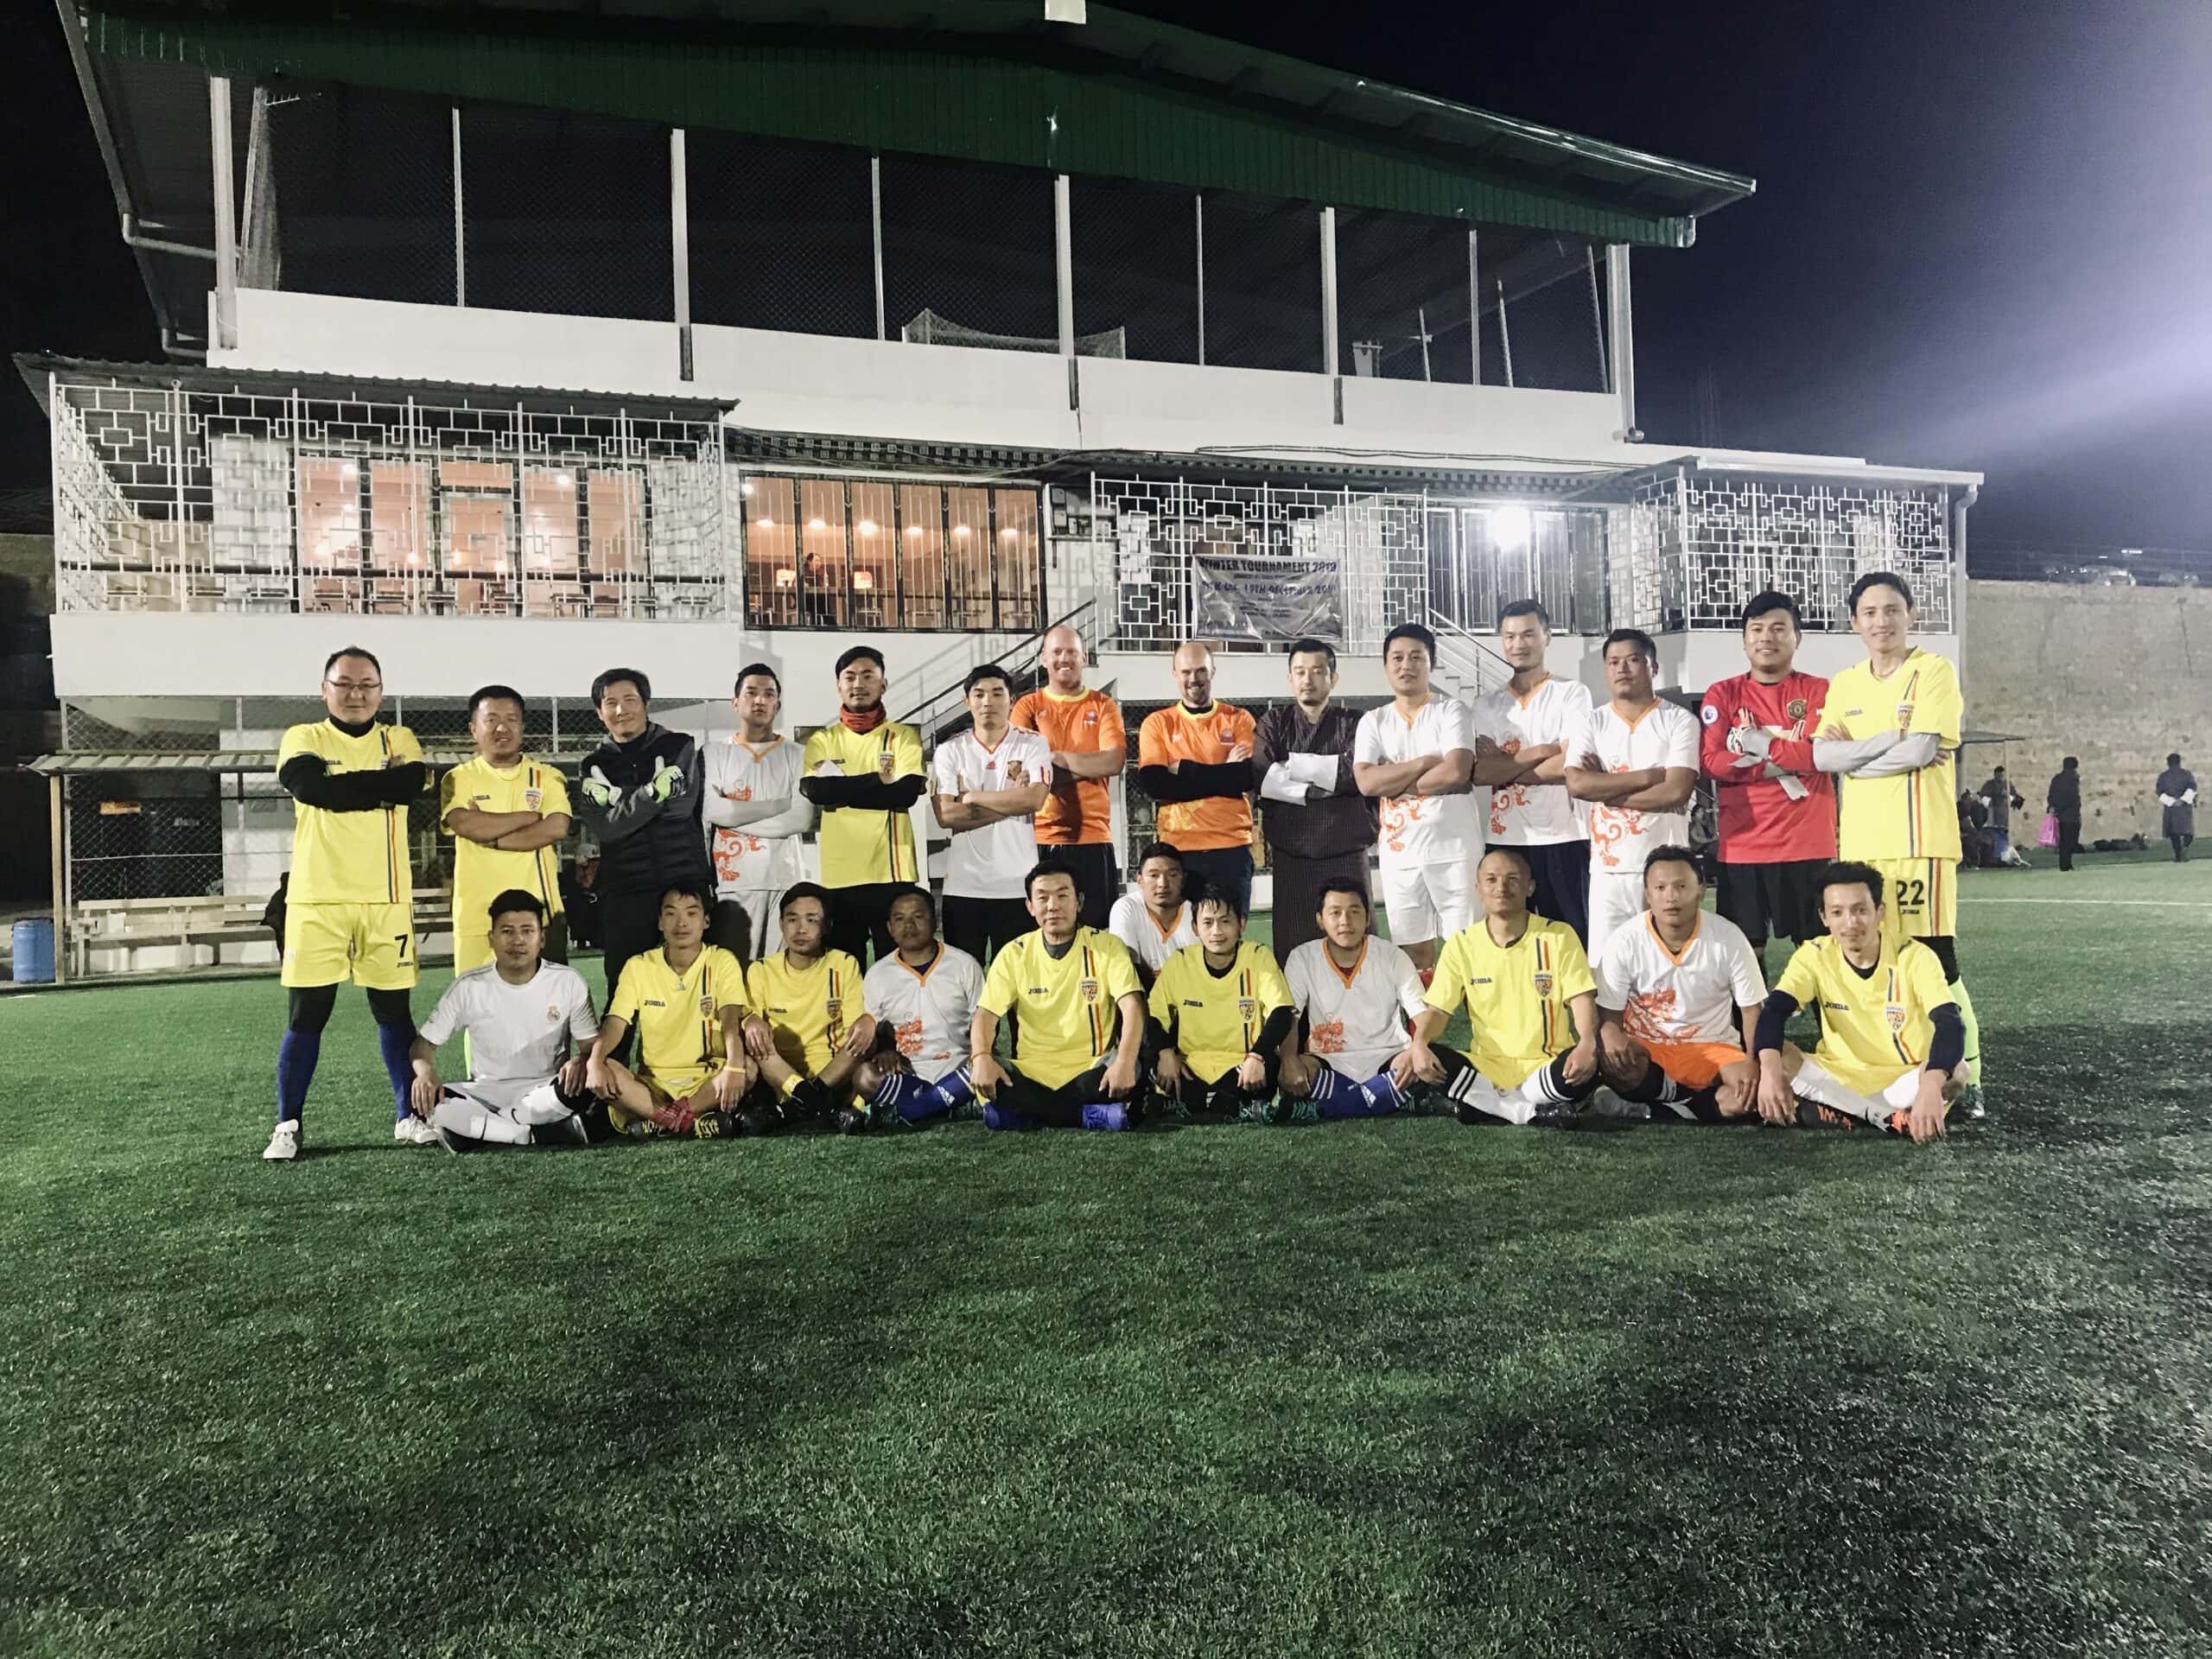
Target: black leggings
(309, 1008)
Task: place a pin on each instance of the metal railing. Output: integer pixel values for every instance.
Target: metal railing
(1468, 668)
(943, 713)
(2089, 566)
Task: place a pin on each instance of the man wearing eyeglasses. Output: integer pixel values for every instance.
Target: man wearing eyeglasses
(351, 913)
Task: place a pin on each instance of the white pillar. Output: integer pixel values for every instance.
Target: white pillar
(679, 225)
(227, 229)
(1330, 361)
(875, 232)
(1620, 303)
(459, 226)
(1063, 276)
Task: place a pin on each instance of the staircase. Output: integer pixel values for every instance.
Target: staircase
(1465, 666)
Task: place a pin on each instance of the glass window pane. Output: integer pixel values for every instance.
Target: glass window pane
(771, 553)
(1016, 512)
(330, 515)
(399, 516)
(551, 543)
(823, 552)
(970, 557)
(874, 563)
(921, 555)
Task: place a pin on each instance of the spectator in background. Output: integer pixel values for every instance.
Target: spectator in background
(1974, 848)
(2178, 807)
(2000, 798)
(2063, 802)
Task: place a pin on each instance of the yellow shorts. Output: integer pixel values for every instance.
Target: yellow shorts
(674, 1087)
(1920, 898)
(373, 945)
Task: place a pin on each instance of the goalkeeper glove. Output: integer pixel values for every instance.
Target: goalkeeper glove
(667, 781)
(598, 791)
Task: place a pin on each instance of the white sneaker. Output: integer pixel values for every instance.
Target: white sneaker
(414, 1132)
(283, 1142)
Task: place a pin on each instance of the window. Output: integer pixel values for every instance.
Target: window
(876, 565)
(921, 555)
(822, 562)
(770, 552)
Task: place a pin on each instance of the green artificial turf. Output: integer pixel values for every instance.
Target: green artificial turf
(1386, 1387)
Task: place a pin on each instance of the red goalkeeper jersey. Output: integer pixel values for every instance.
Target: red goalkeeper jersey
(1760, 823)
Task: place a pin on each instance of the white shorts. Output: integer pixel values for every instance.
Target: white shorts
(495, 1112)
(1430, 901)
(1813, 1082)
(1519, 1105)
(1615, 901)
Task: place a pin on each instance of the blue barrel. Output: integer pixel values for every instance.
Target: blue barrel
(35, 950)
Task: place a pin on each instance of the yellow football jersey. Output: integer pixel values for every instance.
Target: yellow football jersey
(1914, 814)
(1516, 995)
(1064, 1006)
(1216, 1017)
(350, 858)
(678, 1016)
(1875, 1024)
(858, 845)
(481, 873)
(809, 1005)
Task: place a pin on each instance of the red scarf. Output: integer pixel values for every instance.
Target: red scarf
(866, 722)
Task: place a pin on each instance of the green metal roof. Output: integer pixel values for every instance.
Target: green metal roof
(983, 80)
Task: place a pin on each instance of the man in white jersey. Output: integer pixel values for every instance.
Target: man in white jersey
(519, 1014)
(1636, 764)
(924, 997)
(1521, 733)
(755, 816)
(1155, 921)
(1418, 755)
(986, 786)
(1355, 995)
(1679, 995)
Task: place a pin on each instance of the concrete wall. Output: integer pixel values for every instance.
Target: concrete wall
(2119, 676)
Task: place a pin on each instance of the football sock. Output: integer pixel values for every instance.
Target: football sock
(1972, 1023)
(998, 1116)
(295, 1058)
(947, 1093)
(477, 1124)
(393, 1042)
(1105, 1115)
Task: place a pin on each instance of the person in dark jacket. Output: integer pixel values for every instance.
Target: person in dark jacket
(639, 800)
(2178, 807)
(1320, 828)
(2063, 802)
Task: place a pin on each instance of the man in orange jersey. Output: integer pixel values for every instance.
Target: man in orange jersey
(1195, 758)
(1076, 823)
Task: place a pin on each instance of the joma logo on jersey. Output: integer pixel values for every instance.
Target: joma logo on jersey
(1836, 1008)
(1193, 1002)
(651, 1002)
(1480, 979)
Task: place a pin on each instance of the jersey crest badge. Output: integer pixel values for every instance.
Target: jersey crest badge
(1247, 1006)
(833, 1005)
(1089, 990)
(1894, 1012)
(1795, 709)
(1544, 983)
(552, 1013)
(706, 1005)
(533, 799)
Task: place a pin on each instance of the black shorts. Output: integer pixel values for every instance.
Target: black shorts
(1771, 901)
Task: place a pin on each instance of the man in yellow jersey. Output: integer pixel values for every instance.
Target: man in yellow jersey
(1520, 978)
(1089, 747)
(1195, 758)
(1068, 985)
(351, 913)
(1891, 730)
(506, 814)
(865, 773)
(809, 1028)
(1892, 1043)
(1220, 1011)
(687, 1000)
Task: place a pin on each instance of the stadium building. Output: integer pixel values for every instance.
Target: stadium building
(513, 343)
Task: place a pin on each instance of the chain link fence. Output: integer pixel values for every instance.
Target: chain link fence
(1263, 282)
(1402, 282)
(364, 182)
(971, 244)
(1135, 254)
(779, 235)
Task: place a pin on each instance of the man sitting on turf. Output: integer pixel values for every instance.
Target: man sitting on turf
(924, 997)
(809, 1026)
(1220, 1012)
(1520, 976)
(1354, 994)
(687, 1000)
(518, 1013)
(1154, 922)
(1892, 1045)
(1070, 983)
(1676, 990)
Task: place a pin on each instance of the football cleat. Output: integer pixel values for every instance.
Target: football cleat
(283, 1142)
(1969, 1105)
(412, 1131)
(1105, 1116)
(710, 1126)
(569, 1131)
(850, 1120)
(453, 1142)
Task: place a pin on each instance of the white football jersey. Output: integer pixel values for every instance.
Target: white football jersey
(1132, 924)
(518, 1036)
(1692, 998)
(1664, 735)
(928, 1009)
(1534, 815)
(1356, 1021)
(744, 861)
(993, 862)
(1423, 829)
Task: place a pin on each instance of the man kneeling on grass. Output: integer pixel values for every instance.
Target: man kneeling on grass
(1892, 1045)
(687, 1000)
(809, 1026)
(1070, 984)
(1519, 976)
(1677, 991)
(1355, 993)
(518, 1013)
(922, 996)
(1220, 1011)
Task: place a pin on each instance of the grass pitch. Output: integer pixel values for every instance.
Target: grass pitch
(1389, 1389)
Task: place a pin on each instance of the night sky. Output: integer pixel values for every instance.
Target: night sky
(1982, 237)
